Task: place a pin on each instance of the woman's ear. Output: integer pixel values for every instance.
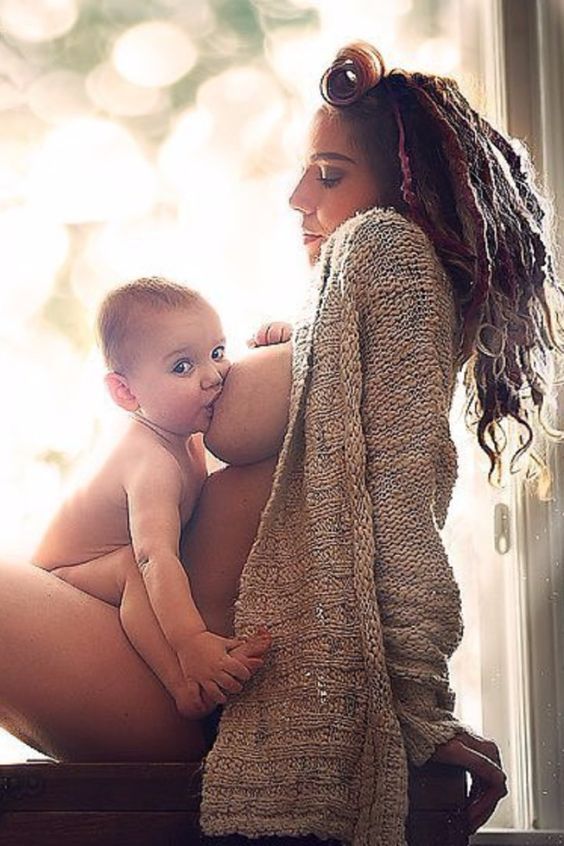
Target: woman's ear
(120, 391)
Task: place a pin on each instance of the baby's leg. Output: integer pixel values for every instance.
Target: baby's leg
(115, 579)
(144, 632)
(100, 577)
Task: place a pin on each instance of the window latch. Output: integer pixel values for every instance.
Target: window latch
(502, 531)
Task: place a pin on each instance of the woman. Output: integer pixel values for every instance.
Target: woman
(449, 268)
(117, 710)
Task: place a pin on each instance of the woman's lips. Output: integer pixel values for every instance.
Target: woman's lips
(310, 237)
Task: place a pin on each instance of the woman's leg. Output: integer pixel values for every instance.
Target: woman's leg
(70, 682)
(115, 578)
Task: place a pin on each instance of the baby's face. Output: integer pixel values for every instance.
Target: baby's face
(179, 367)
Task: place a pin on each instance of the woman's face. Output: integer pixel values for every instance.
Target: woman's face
(336, 183)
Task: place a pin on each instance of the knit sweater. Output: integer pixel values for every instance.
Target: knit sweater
(348, 568)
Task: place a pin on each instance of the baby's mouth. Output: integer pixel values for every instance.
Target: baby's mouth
(209, 405)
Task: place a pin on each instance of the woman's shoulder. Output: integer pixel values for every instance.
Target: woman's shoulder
(381, 227)
(380, 250)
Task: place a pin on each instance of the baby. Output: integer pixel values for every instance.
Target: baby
(117, 538)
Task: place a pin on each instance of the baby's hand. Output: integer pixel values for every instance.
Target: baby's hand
(276, 332)
(205, 659)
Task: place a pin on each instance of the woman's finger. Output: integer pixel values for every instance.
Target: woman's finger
(233, 642)
(480, 766)
(478, 816)
(481, 745)
(252, 664)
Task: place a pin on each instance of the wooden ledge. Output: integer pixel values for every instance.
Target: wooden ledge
(151, 804)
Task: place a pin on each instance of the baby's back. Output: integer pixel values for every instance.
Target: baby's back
(94, 520)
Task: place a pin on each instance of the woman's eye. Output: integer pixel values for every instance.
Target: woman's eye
(182, 367)
(218, 353)
(329, 178)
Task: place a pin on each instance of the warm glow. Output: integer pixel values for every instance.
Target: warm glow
(110, 91)
(91, 170)
(153, 54)
(37, 20)
(163, 147)
(438, 55)
(33, 249)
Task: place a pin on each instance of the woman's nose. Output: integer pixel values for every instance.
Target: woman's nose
(301, 198)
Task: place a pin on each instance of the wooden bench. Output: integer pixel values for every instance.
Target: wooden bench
(54, 804)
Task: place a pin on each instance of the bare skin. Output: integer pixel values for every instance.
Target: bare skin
(71, 683)
(74, 688)
(141, 497)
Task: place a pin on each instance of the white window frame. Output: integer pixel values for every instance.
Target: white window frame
(524, 79)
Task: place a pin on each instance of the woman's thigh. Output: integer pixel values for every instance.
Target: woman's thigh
(73, 686)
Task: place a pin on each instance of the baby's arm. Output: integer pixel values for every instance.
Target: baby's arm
(154, 491)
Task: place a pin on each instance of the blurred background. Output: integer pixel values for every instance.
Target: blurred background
(163, 137)
(155, 137)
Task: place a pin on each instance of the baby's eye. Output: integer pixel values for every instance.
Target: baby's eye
(182, 367)
(218, 353)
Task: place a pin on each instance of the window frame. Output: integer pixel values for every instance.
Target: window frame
(524, 81)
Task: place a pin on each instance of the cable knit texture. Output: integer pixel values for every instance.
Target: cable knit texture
(348, 569)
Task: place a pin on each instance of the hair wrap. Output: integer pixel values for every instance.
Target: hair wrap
(357, 68)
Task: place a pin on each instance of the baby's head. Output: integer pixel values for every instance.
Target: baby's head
(165, 349)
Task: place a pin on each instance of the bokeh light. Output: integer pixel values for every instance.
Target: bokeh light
(34, 247)
(91, 170)
(37, 20)
(110, 91)
(154, 53)
(58, 96)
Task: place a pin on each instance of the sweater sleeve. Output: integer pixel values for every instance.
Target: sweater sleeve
(405, 319)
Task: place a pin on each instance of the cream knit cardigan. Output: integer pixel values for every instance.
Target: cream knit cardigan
(348, 569)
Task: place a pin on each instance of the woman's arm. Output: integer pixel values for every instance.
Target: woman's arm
(251, 415)
(406, 328)
(406, 319)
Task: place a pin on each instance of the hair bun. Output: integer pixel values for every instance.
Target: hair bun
(356, 69)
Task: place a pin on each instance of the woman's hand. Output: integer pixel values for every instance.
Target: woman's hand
(482, 760)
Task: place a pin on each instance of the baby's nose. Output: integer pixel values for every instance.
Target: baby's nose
(211, 378)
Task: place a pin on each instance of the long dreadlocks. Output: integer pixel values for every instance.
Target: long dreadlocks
(472, 190)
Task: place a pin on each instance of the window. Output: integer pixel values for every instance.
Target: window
(115, 167)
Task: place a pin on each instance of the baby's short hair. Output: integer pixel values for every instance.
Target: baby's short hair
(123, 306)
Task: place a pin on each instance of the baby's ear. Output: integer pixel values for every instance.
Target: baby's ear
(120, 391)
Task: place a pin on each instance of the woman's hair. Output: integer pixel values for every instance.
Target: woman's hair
(122, 311)
(471, 189)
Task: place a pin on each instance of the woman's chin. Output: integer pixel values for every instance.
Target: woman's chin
(313, 253)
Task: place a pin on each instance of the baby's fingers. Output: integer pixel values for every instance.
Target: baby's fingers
(228, 683)
(252, 664)
(235, 668)
(214, 692)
